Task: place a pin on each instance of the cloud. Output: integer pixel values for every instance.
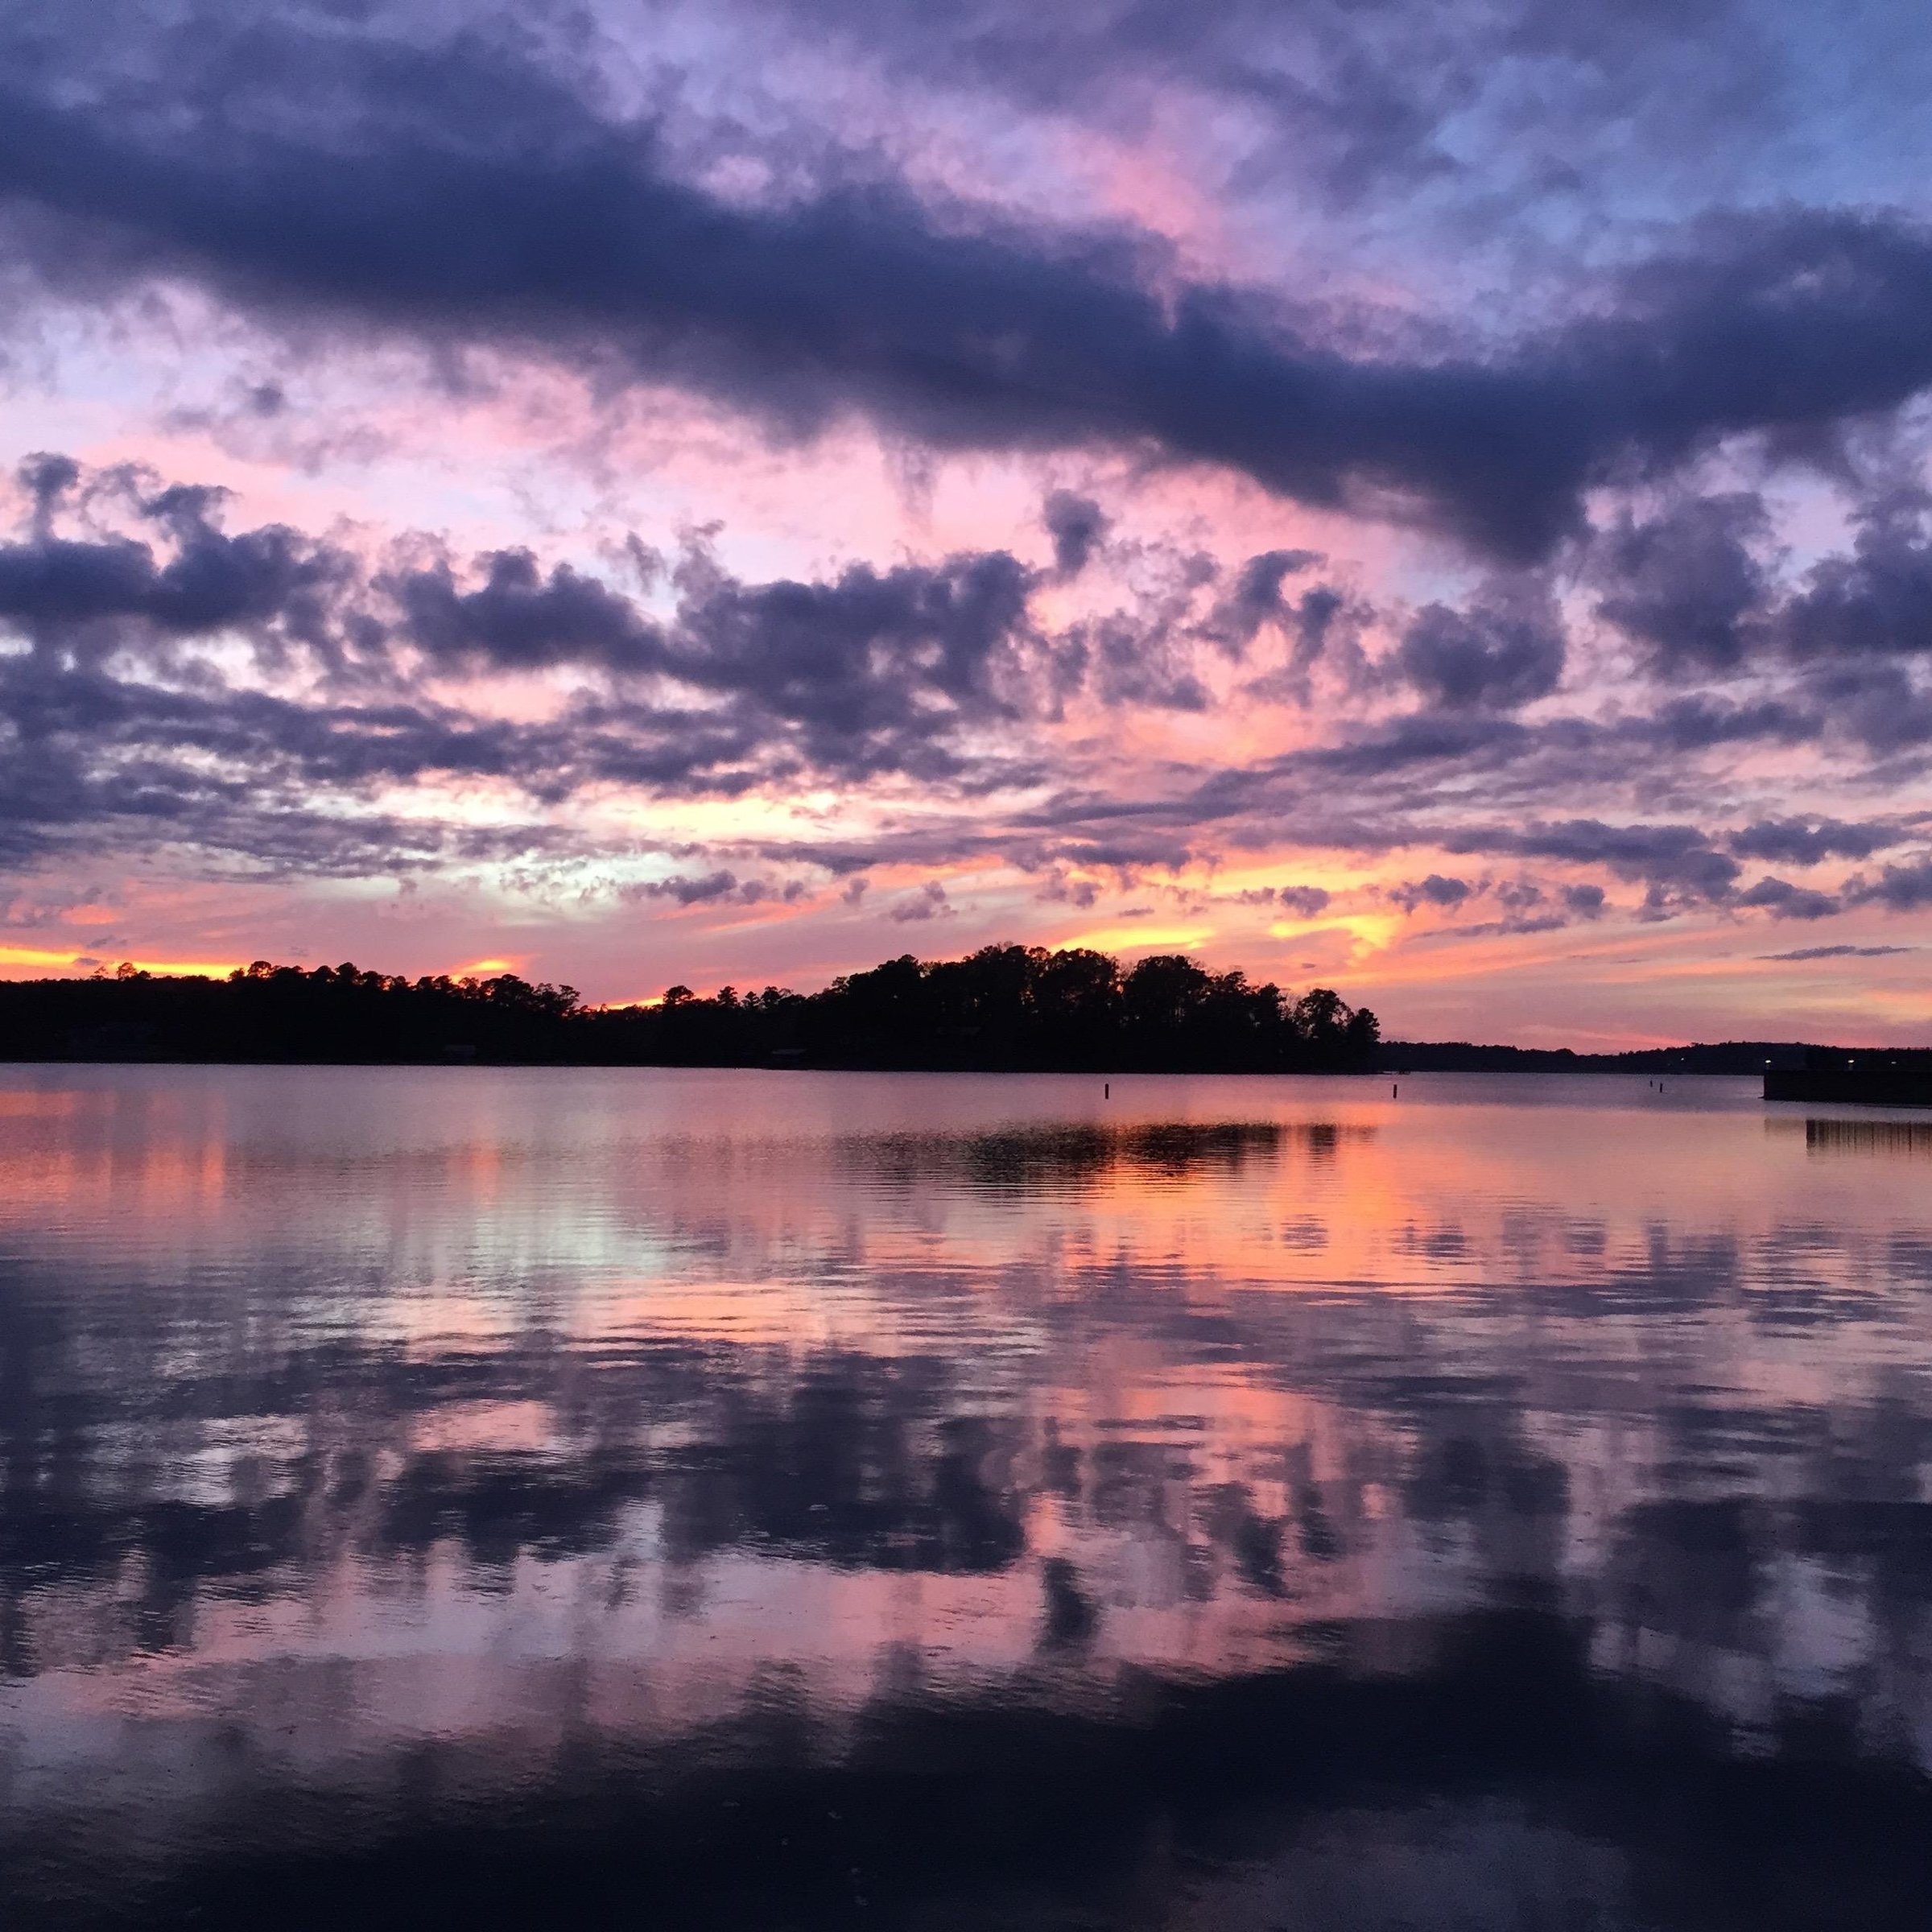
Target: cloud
(1670, 859)
(869, 667)
(462, 192)
(1876, 704)
(1137, 657)
(1526, 909)
(1801, 842)
(1059, 888)
(1687, 584)
(1078, 525)
(1898, 888)
(1515, 926)
(1455, 126)
(1836, 952)
(1701, 724)
(929, 902)
(1693, 584)
(872, 656)
(1433, 890)
(1301, 902)
(52, 586)
(932, 671)
(1256, 598)
(872, 672)
(707, 889)
(1785, 901)
(1334, 100)
(1877, 601)
(1506, 649)
(47, 477)
(520, 617)
(1304, 902)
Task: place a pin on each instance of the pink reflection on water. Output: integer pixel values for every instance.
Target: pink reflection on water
(493, 1409)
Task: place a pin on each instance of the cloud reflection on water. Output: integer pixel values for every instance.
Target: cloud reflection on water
(461, 1452)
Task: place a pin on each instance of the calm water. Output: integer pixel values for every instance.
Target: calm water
(786, 1499)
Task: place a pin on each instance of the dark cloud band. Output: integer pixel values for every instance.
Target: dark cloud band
(461, 192)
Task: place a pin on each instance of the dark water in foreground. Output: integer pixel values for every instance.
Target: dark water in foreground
(739, 1499)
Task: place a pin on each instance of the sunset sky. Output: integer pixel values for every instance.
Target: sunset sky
(1429, 499)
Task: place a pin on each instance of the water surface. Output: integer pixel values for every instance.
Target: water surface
(465, 1496)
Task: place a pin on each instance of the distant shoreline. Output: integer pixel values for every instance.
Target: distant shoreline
(1004, 1009)
(1393, 1069)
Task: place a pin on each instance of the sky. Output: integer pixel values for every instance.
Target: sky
(1426, 499)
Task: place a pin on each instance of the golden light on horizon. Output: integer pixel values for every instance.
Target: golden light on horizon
(39, 963)
(1368, 931)
(1138, 939)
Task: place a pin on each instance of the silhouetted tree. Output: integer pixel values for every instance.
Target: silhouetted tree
(1003, 1006)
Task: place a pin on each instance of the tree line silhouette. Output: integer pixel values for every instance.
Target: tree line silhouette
(1004, 1008)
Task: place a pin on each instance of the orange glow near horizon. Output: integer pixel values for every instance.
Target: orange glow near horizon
(1127, 939)
(26, 962)
(1437, 972)
(1368, 931)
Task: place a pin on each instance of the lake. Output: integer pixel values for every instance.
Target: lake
(780, 1499)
